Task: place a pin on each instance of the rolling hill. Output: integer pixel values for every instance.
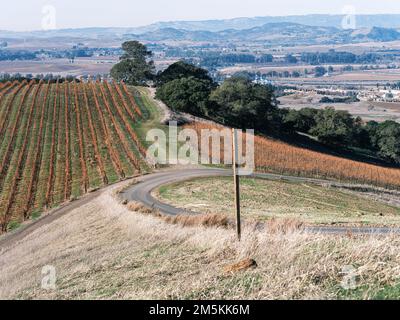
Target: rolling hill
(282, 33)
(62, 140)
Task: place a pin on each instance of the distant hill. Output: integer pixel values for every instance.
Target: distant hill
(323, 20)
(283, 30)
(382, 34)
(283, 33)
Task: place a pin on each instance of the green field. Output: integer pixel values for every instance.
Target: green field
(265, 199)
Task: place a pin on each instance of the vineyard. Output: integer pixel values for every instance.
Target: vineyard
(61, 140)
(278, 157)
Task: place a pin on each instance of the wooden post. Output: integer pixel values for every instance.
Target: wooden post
(235, 149)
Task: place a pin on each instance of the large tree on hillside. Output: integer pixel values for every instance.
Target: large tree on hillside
(135, 66)
(186, 95)
(247, 105)
(182, 69)
(301, 120)
(389, 140)
(334, 127)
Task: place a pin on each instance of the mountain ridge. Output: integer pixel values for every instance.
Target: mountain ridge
(241, 23)
(282, 33)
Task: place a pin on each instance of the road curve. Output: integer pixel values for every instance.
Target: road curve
(141, 192)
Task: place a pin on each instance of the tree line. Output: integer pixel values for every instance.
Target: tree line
(241, 103)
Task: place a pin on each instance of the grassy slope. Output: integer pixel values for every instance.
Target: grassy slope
(56, 187)
(263, 199)
(102, 250)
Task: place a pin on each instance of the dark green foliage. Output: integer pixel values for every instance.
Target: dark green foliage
(244, 104)
(180, 70)
(388, 140)
(333, 56)
(334, 127)
(135, 68)
(238, 102)
(302, 120)
(186, 95)
(351, 99)
(320, 71)
(290, 59)
(371, 129)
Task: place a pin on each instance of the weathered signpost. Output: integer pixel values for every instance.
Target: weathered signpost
(235, 162)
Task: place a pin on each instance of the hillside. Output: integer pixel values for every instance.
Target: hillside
(323, 20)
(102, 250)
(62, 140)
(271, 155)
(217, 25)
(276, 33)
(284, 30)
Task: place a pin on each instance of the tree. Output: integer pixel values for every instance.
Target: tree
(244, 104)
(334, 127)
(186, 95)
(302, 120)
(135, 66)
(296, 74)
(372, 128)
(320, 71)
(290, 59)
(389, 140)
(182, 69)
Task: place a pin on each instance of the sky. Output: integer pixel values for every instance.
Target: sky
(25, 15)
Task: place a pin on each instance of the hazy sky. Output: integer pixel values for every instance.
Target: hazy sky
(28, 14)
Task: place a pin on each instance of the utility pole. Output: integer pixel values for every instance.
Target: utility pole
(235, 149)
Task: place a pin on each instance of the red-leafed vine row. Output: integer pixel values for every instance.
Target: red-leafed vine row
(60, 140)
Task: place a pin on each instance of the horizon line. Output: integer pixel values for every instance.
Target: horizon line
(186, 20)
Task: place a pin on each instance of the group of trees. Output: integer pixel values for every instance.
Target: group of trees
(237, 101)
(218, 60)
(241, 103)
(348, 99)
(333, 56)
(340, 129)
(7, 55)
(185, 88)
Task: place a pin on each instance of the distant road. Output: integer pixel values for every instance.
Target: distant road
(141, 192)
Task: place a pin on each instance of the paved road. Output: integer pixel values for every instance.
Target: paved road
(142, 193)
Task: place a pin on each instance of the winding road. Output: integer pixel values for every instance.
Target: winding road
(141, 192)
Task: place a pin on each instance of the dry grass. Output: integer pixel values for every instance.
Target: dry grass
(284, 225)
(101, 250)
(266, 199)
(205, 220)
(138, 207)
